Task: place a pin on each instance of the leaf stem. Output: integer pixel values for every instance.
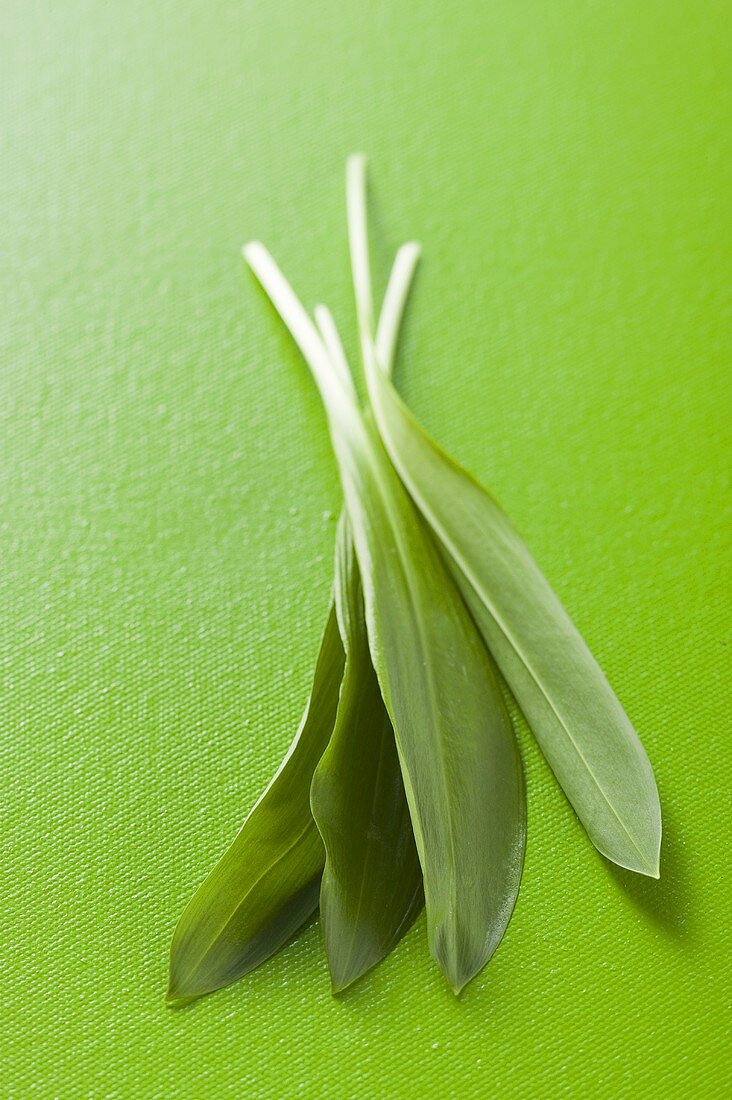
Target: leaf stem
(327, 376)
(395, 300)
(359, 243)
(334, 345)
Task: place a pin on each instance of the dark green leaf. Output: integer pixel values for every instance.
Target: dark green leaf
(266, 885)
(372, 883)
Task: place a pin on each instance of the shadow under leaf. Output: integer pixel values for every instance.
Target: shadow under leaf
(666, 901)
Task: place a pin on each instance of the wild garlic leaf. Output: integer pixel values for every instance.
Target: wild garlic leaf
(460, 765)
(266, 885)
(371, 891)
(569, 705)
(573, 712)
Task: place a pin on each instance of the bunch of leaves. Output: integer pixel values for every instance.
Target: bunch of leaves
(403, 787)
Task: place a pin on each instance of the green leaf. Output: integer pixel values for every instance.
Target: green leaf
(461, 769)
(371, 890)
(574, 714)
(266, 885)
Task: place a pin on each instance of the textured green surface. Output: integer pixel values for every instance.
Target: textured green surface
(168, 521)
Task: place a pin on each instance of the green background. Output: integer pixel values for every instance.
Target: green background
(169, 504)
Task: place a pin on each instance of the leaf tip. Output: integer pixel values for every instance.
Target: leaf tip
(342, 978)
(654, 870)
(651, 871)
(456, 975)
(174, 997)
(178, 994)
(182, 984)
(649, 868)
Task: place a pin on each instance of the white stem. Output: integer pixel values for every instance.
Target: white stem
(377, 354)
(359, 244)
(395, 299)
(323, 350)
(293, 313)
(333, 344)
(390, 318)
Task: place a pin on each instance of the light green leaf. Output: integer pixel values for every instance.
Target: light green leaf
(266, 885)
(371, 890)
(461, 769)
(574, 714)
